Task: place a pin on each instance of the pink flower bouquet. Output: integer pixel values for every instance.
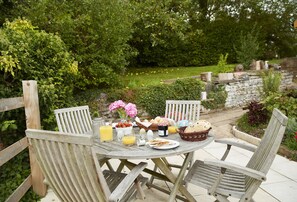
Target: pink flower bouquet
(126, 111)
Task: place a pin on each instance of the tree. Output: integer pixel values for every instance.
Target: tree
(165, 33)
(161, 33)
(30, 54)
(248, 48)
(96, 31)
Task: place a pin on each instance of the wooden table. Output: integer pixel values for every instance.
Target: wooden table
(116, 150)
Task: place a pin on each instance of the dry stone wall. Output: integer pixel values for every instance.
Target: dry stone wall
(241, 92)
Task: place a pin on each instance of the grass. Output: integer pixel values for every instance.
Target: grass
(155, 76)
(152, 76)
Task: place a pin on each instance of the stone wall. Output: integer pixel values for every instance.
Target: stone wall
(241, 92)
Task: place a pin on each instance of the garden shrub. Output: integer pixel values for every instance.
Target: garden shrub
(153, 99)
(243, 125)
(186, 89)
(271, 82)
(255, 120)
(12, 174)
(257, 114)
(282, 101)
(16, 170)
(30, 54)
(222, 63)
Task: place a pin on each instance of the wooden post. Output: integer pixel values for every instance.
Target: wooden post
(32, 112)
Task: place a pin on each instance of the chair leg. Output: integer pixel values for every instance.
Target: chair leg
(152, 177)
(221, 198)
(109, 166)
(170, 167)
(139, 189)
(155, 169)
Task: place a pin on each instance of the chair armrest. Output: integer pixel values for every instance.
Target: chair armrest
(240, 169)
(123, 187)
(237, 144)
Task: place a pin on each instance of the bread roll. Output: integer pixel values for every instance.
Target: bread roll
(199, 126)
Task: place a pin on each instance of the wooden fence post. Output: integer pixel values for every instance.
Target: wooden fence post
(32, 112)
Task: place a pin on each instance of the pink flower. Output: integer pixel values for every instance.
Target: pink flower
(296, 135)
(123, 109)
(131, 110)
(116, 105)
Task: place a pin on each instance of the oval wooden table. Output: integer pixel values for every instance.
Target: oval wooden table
(116, 150)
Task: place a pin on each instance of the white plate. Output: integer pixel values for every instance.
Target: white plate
(171, 144)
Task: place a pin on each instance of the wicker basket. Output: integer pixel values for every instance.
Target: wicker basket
(194, 136)
(153, 126)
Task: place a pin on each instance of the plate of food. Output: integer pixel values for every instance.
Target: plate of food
(163, 144)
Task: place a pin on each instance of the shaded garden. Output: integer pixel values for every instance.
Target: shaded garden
(79, 50)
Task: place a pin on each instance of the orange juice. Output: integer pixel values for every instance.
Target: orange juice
(106, 133)
(129, 140)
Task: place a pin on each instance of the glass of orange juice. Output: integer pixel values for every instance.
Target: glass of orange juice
(129, 139)
(106, 134)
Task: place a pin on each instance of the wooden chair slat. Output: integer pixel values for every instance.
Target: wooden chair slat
(75, 120)
(241, 185)
(183, 110)
(71, 168)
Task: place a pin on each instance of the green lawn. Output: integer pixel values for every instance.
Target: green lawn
(155, 76)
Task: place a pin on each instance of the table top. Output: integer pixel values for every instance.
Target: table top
(115, 149)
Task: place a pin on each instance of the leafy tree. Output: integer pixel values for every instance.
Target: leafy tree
(161, 33)
(165, 33)
(275, 19)
(96, 31)
(6, 10)
(30, 54)
(248, 48)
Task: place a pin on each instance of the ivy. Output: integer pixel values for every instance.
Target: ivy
(12, 174)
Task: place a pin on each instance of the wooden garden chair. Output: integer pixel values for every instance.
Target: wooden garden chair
(76, 120)
(223, 179)
(183, 110)
(72, 171)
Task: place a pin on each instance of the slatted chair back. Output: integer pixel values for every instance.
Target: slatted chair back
(183, 110)
(223, 179)
(269, 145)
(75, 120)
(68, 165)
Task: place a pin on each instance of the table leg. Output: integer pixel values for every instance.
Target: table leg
(181, 175)
(131, 165)
(176, 181)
